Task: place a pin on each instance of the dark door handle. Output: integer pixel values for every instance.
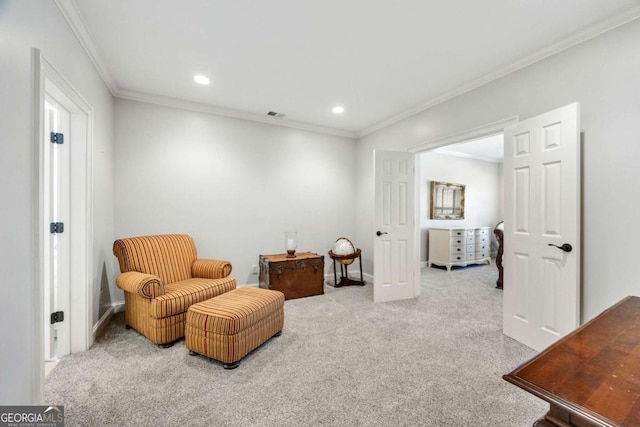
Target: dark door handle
(565, 247)
(380, 233)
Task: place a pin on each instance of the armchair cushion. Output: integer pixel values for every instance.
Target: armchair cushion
(179, 296)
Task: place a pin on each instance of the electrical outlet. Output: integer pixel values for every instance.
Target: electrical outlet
(254, 269)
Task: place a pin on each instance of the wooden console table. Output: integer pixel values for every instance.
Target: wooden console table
(591, 377)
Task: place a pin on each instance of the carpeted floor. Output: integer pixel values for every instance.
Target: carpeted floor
(342, 360)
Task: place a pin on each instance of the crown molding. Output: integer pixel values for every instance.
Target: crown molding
(573, 40)
(70, 12)
(236, 114)
(468, 135)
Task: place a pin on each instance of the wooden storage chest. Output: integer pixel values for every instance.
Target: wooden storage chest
(298, 277)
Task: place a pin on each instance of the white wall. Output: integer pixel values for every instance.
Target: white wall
(234, 185)
(601, 74)
(23, 25)
(483, 198)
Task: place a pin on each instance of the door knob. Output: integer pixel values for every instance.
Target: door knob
(380, 233)
(565, 247)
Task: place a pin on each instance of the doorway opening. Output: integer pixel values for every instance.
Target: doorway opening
(475, 164)
(542, 220)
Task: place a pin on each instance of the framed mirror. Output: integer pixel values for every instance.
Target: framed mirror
(447, 200)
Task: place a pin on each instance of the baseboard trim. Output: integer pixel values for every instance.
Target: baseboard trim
(98, 328)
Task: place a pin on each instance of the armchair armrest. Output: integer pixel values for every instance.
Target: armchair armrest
(145, 285)
(210, 269)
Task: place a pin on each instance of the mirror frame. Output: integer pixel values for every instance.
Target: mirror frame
(446, 207)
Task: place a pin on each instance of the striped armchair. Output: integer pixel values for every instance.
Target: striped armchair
(161, 276)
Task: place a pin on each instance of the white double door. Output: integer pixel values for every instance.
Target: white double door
(542, 216)
(542, 227)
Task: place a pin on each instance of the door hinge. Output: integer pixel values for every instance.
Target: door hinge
(57, 316)
(57, 138)
(56, 227)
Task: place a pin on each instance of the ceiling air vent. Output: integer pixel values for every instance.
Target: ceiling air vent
(274, 114)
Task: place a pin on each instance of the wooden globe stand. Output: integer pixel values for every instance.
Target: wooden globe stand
(345, 261)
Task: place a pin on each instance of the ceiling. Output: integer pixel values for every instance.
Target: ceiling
(380, 60)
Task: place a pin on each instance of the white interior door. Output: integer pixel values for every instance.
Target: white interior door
(56, 246)
(542, 208)
(396, 267)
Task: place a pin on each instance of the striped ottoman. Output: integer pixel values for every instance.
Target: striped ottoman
(231, 325)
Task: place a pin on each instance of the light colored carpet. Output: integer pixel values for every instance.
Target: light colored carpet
(342, 360)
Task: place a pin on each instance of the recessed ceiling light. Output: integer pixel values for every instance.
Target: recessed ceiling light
(199, 78)
(338, 110)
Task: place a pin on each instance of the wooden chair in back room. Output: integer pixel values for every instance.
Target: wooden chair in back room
(499, 232)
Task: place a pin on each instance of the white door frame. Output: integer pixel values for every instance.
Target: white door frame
(474, 133)
(56, 208)
(46, 78)
(489, 129)
(464, 136)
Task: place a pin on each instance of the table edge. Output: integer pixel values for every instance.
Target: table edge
(547, 395)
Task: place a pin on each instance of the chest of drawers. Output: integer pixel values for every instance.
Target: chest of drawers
(459, 246)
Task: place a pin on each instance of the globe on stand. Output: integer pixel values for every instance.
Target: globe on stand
(344, 252)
